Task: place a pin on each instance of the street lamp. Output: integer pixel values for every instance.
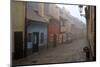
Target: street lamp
(80, 9)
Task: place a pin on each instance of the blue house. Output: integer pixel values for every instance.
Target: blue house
(36, 29)
(36, 35)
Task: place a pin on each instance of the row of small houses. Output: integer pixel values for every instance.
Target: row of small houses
(39, 25)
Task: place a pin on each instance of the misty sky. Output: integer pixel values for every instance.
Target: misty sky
(74, 11)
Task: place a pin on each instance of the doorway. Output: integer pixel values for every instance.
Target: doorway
(18, 45)
(35, 42)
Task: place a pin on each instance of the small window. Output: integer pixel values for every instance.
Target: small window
(42, 38)
(62, 23)
(29, 37)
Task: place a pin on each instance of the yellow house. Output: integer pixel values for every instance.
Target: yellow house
(18, 27)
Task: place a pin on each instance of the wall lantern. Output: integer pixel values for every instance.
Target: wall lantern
(80, 8)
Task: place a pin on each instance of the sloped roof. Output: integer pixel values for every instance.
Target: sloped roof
(32, 15)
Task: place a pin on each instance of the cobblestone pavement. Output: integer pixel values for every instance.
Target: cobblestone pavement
(69, 52)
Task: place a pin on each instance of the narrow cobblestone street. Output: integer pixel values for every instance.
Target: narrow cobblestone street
(70, 52)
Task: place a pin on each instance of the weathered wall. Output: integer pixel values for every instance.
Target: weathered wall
(35, 11)
(18, 16)
(54, 11)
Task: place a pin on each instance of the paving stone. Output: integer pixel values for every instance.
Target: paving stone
(67, 52)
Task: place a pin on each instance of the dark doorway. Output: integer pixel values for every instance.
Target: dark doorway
(18, 45)
(35, 41)
(54, 40)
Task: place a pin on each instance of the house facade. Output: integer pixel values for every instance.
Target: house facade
(52, 12)
(36, 27)
(64, 25)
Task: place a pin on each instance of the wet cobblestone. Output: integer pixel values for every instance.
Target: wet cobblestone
(68, 52)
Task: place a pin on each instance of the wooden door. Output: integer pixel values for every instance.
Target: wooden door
(18, 45)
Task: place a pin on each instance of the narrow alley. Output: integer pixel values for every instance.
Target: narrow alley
(45, 33)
